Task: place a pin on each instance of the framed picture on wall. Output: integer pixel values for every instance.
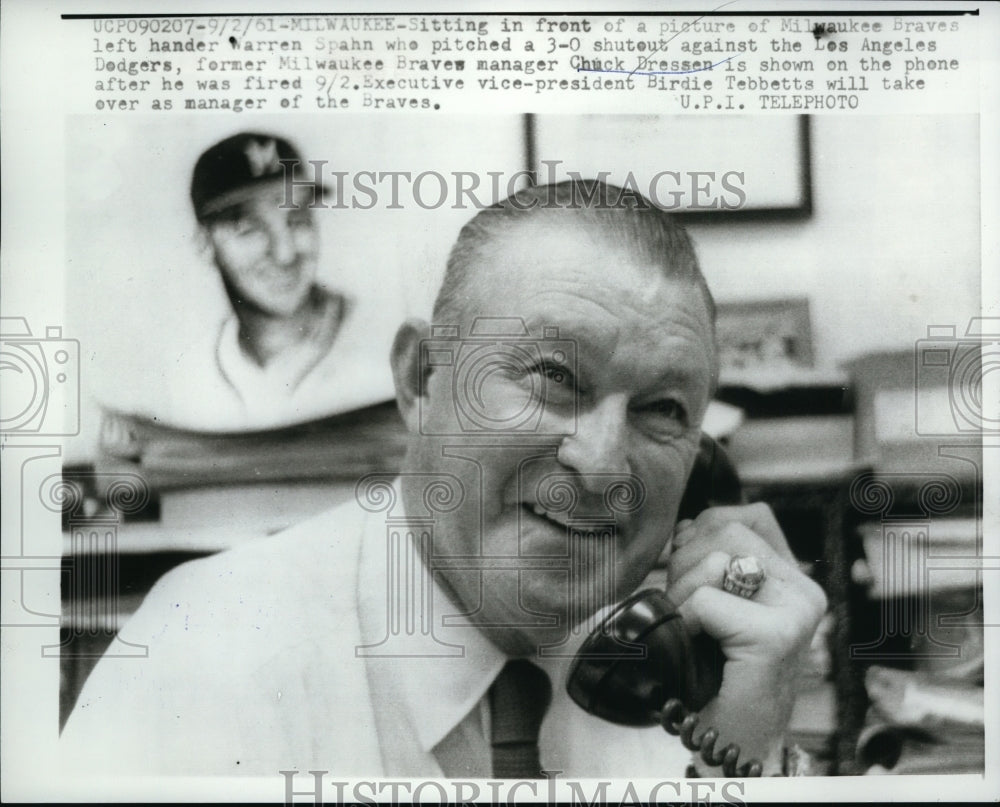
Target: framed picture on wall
(767, 335)
(714, 165)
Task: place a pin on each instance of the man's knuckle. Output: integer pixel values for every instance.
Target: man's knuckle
(700, 596)
(733, 531)
(808, 619)
(815, 597)
(822, 602)
(709, 518)
(717, 558)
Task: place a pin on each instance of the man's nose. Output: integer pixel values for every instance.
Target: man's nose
(599, 446)
(282, 244)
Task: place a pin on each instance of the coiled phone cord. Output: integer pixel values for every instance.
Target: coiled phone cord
(678, 721)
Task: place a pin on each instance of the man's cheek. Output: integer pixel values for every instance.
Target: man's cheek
(439, 402)
(656, 521)
(661, 502)
(307, 245)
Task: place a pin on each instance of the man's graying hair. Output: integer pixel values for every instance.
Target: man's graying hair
(626, 218)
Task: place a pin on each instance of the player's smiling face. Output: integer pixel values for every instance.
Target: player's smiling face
(266, 252)
(629, 408)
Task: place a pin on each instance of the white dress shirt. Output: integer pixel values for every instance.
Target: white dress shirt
(258, 663)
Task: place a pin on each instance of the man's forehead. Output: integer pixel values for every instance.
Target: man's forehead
(569, 282)
(536, 260)
(268, 196)
(560, 233)
(599, 328)
(561, 248)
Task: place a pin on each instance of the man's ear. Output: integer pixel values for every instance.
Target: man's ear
(203, 241)
(407, 371)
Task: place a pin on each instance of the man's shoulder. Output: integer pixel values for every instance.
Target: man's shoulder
(281, 588)
(244, 663)
(331, 534)
(314, 550)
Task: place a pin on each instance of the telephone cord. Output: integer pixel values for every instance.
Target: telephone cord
(678, 721)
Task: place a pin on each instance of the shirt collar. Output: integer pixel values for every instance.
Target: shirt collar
(438, 677)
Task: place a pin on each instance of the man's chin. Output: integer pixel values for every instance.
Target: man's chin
(558, 611)
(285, 305)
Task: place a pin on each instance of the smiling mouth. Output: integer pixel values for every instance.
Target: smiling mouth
(560, 519)
(586, 530)
(283, 274)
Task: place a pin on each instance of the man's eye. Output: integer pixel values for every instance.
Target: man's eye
(247, 228)
(556, 373)
(558, 377)
(666, 409)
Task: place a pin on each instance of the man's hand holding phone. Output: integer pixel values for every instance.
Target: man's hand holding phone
(764, 638)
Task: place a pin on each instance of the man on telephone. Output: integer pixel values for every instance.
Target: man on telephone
(430, 628)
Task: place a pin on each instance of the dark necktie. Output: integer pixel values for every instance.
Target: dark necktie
(519, 698)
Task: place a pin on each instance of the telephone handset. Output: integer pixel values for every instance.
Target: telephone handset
(678, 673)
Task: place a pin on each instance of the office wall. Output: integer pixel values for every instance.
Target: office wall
(143, 296)
(893, 243)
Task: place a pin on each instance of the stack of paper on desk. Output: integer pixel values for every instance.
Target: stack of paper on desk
(341, 446)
